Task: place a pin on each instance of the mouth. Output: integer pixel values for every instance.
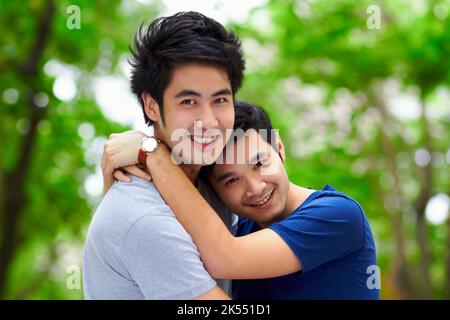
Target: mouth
(264, 202)
(203, 142)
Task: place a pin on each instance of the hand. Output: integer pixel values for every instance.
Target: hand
(161, 154)
(120, 175)
(120, 150)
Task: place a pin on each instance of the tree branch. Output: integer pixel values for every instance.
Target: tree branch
(14, 180)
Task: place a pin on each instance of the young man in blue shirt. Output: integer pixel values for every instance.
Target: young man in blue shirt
(291, 242)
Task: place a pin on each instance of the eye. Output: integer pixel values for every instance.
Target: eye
(230, 181)
(260, 163)
(220, 100)
(188, 101)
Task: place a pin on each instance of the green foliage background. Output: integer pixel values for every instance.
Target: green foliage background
(323, 74)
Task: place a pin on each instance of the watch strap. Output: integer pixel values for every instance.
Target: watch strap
(142, 157)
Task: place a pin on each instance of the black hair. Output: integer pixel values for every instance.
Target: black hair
(246, 116)
(169, 42)
(250, 116)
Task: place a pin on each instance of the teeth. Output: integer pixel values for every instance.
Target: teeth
(263, 201)
(203, 140)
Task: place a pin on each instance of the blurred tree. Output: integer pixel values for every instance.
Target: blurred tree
(363, 108)
(43, 166)
(329, 78)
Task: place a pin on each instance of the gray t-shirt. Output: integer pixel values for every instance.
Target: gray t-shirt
(137, 249)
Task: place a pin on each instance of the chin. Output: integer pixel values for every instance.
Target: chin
(274, 217)
(265, 219)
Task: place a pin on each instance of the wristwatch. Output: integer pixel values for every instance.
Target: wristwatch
(148, 145)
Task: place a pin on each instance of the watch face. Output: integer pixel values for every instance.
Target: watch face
(149, 145)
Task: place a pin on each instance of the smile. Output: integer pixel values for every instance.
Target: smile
(264, 201)
(203, 140)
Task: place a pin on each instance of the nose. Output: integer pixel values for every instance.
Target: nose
(255, 187)
(208, 117)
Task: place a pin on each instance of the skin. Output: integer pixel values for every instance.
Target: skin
(241, 186)
(196, 93)
(262, 254)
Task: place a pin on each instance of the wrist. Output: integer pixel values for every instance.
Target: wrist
(160, 156)
(147, 145)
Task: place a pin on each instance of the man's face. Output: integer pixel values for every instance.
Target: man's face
(258, 188)
(198, 108)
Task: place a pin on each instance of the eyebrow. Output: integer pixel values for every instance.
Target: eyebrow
(223, 92)
(258, 156)
(224, 176)
(184, 93)
(187, 92)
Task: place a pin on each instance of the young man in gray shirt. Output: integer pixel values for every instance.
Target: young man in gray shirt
(186, 70)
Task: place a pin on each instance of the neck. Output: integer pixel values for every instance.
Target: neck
(296, 196)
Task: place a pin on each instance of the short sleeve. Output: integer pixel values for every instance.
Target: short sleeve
(163, 260)
(325, 230)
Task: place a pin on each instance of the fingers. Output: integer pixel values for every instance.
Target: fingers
(107, 161)
(136, 171)
(120, 176)
(108, 181)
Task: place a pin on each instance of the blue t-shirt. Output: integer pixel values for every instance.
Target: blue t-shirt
(331, 237)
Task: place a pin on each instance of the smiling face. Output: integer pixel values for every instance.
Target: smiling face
(256, 189)
(198, 108)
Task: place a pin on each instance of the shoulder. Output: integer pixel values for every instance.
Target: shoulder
(328, 213)
(328, 226)
(128, 205)
(332, 204)
(138, 190)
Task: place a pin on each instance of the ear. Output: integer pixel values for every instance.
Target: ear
(280, 147)
(151, 107)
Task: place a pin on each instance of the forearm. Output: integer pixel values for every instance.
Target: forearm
(215, 243)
